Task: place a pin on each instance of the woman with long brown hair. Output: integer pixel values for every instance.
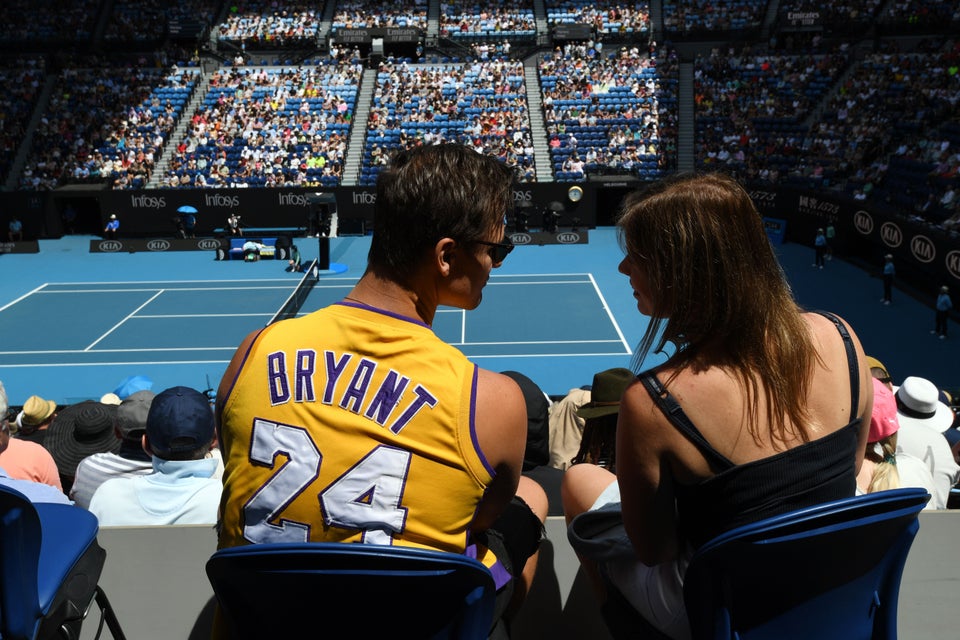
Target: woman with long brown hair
(759, 409)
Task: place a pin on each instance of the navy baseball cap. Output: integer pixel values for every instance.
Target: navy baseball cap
(180, 420)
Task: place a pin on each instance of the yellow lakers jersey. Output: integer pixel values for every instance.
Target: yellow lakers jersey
(351, 425)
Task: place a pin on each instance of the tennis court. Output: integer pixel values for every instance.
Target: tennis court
(74, 338)
(149, 322)
(74, 324)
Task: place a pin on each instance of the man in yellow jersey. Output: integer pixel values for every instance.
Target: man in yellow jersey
(356, 423)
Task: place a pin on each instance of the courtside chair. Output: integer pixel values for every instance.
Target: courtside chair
(829, 571)
(350, 590)
(51, 564)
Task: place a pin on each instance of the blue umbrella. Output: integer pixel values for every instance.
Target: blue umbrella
(132, 384)
(187, 209)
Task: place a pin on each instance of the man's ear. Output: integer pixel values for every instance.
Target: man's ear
(444, 251)
(145, 443)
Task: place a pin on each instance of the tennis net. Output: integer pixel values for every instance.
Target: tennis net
(293, 304)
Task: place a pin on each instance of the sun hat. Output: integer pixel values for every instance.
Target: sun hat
(110, 398)
(180, 420)
(883, 419)
(132, 414)
(81, 430)
(36, 411)
(873, 363)
(608, 387)
(918, 404)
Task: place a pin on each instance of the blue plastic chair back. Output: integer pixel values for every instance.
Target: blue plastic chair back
(50, 564)
(355, 590)
(829, 571)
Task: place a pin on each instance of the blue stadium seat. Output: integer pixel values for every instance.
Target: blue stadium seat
(829, 571)
(50, 565)
(356, 590)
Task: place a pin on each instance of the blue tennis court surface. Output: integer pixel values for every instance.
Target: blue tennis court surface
(203, 321)
(135, 322)
(74, 324)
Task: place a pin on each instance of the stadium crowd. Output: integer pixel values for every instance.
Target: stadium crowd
(820, 111)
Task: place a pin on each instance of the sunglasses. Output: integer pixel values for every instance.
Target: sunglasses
(498, 250)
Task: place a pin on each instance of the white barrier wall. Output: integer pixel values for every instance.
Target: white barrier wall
(155, 579)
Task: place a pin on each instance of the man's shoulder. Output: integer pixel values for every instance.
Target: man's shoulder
(28, 448)
(111, 462)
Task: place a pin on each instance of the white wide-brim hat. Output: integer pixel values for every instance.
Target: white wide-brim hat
(918, 403)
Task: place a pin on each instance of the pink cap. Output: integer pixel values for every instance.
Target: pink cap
(883, 420)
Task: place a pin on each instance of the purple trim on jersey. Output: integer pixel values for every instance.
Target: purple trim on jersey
(243, 364)
(500, 574)
(473, 423)
(360, 305)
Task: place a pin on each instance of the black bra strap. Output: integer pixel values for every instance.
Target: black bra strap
(852, 364)
(673, 412)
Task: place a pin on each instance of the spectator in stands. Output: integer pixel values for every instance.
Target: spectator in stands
(831, 235)
(439, 231)
(295, 263)
(80, 430)
(684, 465)
(943, 306)
(923, 420)
(598, 444)
(251, 251)
(184, 488)
(579, 428)
(15, 230)
(35, 418)
(536, 455)
(537, 403)
(819, 248)
(883, 466)
(889, 272)
(34, 491)
(566, 427)
(358, 14)
(879, 371)
(129, 461)
(21, 459)
(113, 226)
(233, 225)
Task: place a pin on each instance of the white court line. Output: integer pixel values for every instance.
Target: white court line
(129, 315)
(160, 282)
(535, 282)
(539, 275)
(234, 348)
(167, 290)
(76, 351)
(328, 283)
(23, 297)
(545, 355)
(613, 320)
(521, 342)
(205, 315)
(134, 363)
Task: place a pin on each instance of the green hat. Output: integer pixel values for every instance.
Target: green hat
(608, 387)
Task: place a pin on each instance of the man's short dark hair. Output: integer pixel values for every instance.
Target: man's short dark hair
(433, 192)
